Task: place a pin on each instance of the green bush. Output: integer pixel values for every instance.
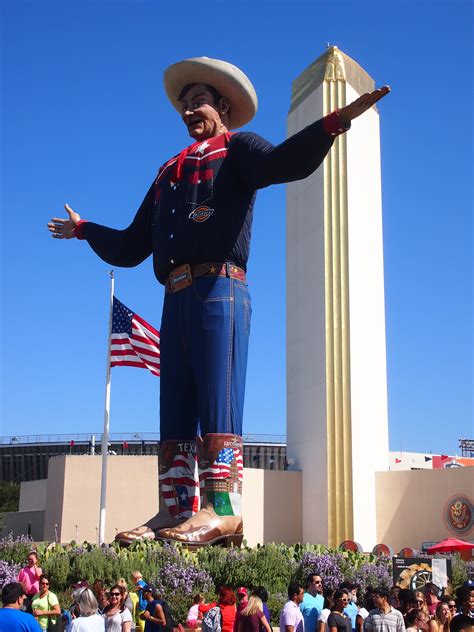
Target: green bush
(459, 571)
(57, 567)
(271, 565)
(275, 603)
(9, 496)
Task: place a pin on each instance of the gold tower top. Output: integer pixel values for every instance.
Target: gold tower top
(332, 65)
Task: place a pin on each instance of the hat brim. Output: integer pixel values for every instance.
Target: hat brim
(226, 78)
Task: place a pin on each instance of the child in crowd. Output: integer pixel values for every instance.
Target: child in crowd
(194, 616)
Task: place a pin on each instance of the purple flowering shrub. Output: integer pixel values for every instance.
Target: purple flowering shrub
(372, 574)
(328, 565)
(178, 579)
(15, 550)
(8, 573)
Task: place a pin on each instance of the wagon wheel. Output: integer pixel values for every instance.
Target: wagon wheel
(419, 579)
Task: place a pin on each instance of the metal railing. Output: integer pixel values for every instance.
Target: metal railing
(119, 437)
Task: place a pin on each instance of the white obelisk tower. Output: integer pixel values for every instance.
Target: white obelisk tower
(337, 425)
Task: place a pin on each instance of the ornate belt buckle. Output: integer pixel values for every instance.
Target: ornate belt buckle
(180, 278)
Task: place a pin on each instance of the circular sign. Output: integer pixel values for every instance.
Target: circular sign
(458, 514)
(382, 549)
(350, 545)
(407, 552)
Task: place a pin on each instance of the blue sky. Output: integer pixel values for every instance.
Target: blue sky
(85, 121)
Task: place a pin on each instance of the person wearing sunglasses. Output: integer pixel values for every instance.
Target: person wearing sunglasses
(420, 603)
(45, 604)
(351, 608)
(415, 621)
(338, 621)
(453, 609)
(117, 616)
(313, 602)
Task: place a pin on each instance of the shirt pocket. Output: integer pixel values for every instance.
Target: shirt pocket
(200, 186)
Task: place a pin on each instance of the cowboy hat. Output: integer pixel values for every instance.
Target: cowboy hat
(226, 78)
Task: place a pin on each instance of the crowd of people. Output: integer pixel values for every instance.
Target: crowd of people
(314, 609)
(30, 605)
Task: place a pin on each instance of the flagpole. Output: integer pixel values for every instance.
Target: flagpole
(105, 433)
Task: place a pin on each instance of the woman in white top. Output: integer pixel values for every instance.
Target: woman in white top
(366, 608)
(326, 611)
(89, 620)
(117, 616)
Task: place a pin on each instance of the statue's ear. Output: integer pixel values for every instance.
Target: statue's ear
(224, 105)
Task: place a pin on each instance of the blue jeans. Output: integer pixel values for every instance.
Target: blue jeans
(204, 346)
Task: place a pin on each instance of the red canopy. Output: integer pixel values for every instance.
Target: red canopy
(451, 544)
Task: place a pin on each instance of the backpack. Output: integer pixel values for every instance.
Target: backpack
(170, 622)
(212, 620)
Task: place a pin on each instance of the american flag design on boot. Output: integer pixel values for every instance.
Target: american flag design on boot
(222, 481)
(179, 481)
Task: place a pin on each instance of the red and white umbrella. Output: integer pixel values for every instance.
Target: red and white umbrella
(450, 545)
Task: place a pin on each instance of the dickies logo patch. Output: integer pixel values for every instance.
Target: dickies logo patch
(201, 214)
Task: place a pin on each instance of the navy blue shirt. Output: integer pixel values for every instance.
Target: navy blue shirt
(200, 207)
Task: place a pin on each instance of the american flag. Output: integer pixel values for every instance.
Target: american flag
(133, 342)
(221, 466)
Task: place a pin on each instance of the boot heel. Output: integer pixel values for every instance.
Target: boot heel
(234, 540)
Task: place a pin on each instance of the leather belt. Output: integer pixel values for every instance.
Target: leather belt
(183, 276)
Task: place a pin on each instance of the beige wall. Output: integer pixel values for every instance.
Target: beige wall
(73, 497)
(411, 505)
(33, 495)
(54, 497)
(272, 504)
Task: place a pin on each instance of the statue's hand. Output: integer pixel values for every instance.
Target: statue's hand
(361, 105)
(64, 228)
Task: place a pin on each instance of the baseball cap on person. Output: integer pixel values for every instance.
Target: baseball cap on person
(242, 591)
(81, 584)
(150, 588)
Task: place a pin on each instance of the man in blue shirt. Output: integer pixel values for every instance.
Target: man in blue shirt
(11, 615)
(313, 602)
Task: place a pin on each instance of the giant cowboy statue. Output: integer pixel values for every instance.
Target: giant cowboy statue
(196, 220)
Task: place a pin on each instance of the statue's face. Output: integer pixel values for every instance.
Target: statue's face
(200, 114)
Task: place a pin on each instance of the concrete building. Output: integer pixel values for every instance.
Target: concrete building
(65, 506)
(336, 365)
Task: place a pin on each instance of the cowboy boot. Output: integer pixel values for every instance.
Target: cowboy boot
(220, 458)
(178, 484)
